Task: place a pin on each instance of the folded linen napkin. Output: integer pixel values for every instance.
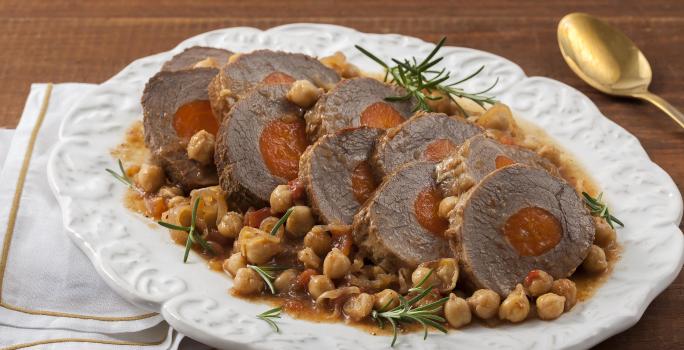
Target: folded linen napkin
(50, 295)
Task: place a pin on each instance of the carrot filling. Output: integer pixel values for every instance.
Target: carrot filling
(532, 231)
(381, 115)
(281, 143)
(362, 181)
(438, 150)
(278, 77)
(193, 117)
(502, 161)
(426, 208)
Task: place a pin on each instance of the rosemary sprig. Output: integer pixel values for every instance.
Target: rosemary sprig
(267, 273)
(123, 177)
(280, 222)
(419, 287)
(268, 316)
(407, 313)
(600, 209)
(192, 236)
(420, 80)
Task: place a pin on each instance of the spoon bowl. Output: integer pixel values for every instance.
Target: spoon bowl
(608, 60)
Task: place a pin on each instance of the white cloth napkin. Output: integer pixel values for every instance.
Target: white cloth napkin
(51, 297)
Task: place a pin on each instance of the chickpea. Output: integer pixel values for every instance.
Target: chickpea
(281, 199)
(605, 236)
(319, 240)
(456, 311)
(319, 284)
(565, 288)
(484, 303)
(268, 223)
(184, 215)
(499, 117)
(285, 280)
(303, 93)
(595, 262)
(309, 258)
(358, 306)
(336, 264)
(170, 192)
(301, 220)
(259, 248)
(230, 224)
(445, 206)
(550, 306)
(515, 307)
(234, 263)
(247, 281)
(538, 282)
(419, 274)
(150, 177)
(386, 299)
(201, 147)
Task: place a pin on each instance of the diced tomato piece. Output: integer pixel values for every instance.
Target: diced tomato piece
(255, 217)
(304, 277)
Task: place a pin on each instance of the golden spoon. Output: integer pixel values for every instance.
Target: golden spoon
(608, 60)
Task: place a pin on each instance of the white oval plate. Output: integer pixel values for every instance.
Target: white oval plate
(140, 262)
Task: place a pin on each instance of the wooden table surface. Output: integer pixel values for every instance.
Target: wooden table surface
(65, 41)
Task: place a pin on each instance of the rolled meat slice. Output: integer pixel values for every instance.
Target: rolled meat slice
(425, 136)
(518, 219)
(175, 107)
(209, 57)
(357, 102)
(245, 71)
(259, 144)
(479, 156)
(399, 225)
(337, 175)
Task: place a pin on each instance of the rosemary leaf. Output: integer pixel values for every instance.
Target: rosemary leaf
(405, 312)
(268, 316)
(600, 209)
(267, 274)
(420, 80)
(123, 177)
(281, 221)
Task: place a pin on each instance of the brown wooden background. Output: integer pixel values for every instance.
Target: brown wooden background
(65, 41)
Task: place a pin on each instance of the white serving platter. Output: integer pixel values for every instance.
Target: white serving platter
(140, 262)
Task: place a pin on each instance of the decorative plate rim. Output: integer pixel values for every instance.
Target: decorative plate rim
(147, 277)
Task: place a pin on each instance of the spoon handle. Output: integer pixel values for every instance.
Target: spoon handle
(665, 106)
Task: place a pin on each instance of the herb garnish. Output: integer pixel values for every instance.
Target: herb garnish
(123, 177)
(600, 209)
(413, 77)
(280, 222)
(192, 236)
(405, 312)
(266, 272)
(268, 316)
